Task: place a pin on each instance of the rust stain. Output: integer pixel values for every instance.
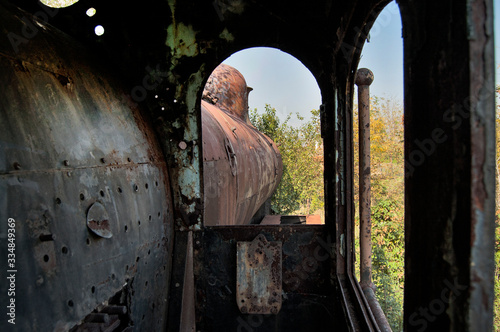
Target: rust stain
(227, 89)
(242, 166)
(98, 221)
(259, 285)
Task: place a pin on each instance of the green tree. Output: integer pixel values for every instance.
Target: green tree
(387, 259)
(301, 150)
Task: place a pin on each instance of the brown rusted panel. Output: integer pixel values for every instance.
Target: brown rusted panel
(220, 185)
(227, 89)
(242, 166)
(258, 284)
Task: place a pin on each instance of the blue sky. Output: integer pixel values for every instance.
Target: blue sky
(286, 84)
(277, 79)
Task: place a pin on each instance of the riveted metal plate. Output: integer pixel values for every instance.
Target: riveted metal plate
(258, 265)
(98, 220)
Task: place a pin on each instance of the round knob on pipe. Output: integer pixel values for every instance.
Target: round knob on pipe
(364, 76)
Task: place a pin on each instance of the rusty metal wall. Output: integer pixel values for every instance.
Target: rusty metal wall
(226, 87)
(449, 165)
(242, 167)
(75, 152)
(308, 296)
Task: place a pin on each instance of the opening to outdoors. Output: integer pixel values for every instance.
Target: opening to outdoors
(283, 114)
(383, 55)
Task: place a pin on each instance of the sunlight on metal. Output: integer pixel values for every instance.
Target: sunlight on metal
(99, 30)
(58, 3)
(90, 12)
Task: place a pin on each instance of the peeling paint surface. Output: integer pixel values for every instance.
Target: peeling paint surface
(181, 39)
(258, 287)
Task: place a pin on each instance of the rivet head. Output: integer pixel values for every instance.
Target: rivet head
(39, 280)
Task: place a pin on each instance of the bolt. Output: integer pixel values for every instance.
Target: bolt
(39, 281)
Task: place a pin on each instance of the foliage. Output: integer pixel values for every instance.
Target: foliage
(387, 262)
(301, 149)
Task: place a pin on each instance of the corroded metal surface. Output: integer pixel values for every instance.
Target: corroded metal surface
(258, 273)
(242, 166)
(307, 291)
(364, 77)
(227, 89)
(98, 221)
(483, 165)
(74, 150)
(449, 152)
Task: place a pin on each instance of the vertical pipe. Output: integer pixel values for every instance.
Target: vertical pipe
(364, 78)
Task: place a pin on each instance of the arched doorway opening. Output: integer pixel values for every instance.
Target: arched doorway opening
(282, 111)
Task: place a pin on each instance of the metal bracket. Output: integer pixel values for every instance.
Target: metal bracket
(98, 221)
(259, 287)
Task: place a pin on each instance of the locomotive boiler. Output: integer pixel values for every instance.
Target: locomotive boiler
(242, 166)
(86, 189)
